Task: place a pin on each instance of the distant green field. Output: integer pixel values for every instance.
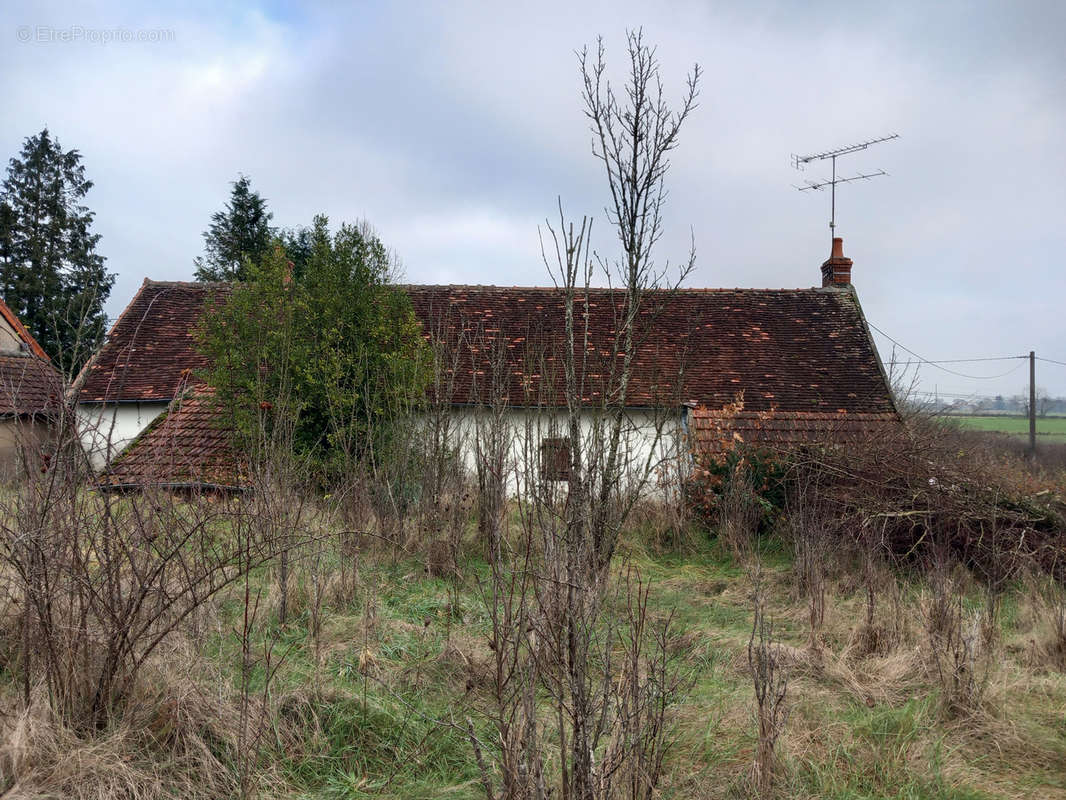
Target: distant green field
(1046, 427)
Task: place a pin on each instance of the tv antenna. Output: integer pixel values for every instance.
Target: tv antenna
(801, 162)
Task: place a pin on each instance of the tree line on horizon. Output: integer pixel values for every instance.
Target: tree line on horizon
(1007, 405)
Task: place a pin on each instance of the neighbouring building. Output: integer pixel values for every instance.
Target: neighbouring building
(31, 392)
(802, 361)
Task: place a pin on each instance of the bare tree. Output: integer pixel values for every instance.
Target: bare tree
(445, 498)
(739, 514)
(811, 528)
(633, 137)
(960, 658)
(1043, 401)
(493, 442)
(609, 712)
(585, 462)
(518, 747)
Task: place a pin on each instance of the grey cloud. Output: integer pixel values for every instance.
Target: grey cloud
(454, 127)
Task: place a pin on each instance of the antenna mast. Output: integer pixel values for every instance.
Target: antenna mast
(801, 162)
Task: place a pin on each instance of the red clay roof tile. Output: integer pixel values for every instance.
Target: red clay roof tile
(186, 446)
(150, 345)
(793, 350)
(716, 430)
(789, 349)
(29, 386)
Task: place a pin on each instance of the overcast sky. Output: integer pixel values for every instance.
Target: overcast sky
(453, 127)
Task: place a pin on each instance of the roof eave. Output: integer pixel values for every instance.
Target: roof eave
(873, 348)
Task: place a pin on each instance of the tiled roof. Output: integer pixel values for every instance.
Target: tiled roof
(28, 385)
(802, 350)
(788, 349)
(717, 430)
(150, 345)
(186, 446)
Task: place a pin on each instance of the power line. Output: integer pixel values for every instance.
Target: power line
(1001, 375)
(1051, 361)
(959, 360)
(938, 364)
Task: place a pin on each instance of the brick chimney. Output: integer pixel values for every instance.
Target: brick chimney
(836, 271)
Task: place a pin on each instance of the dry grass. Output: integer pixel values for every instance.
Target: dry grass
(176, 737)
(864, 721)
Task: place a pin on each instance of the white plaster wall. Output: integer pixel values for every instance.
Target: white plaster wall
(651, 441)
(106, 429)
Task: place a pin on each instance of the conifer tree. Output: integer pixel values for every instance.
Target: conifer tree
(240, 233)
(50, 273)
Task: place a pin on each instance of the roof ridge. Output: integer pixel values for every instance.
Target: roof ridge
(534, 288)
(188, 284)
(682, 289)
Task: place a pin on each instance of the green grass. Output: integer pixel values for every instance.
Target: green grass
(388, 730)
(381, 748)
(876, 762)
(1048, 428)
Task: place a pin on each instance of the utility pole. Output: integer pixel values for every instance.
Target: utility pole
(1032, 403)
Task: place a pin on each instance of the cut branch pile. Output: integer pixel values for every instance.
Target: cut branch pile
(925, 485)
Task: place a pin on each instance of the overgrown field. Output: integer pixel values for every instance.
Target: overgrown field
(395, 677)
(375, 705)
(1048, 428)
(887, 620)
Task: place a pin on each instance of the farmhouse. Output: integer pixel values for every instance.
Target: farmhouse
(30, 390)
(798, 362)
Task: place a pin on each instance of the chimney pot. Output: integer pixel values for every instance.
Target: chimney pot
(836, 270)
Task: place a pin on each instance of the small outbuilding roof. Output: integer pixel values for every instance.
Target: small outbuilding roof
(185, 447)
(717, 431)
(29, 386)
